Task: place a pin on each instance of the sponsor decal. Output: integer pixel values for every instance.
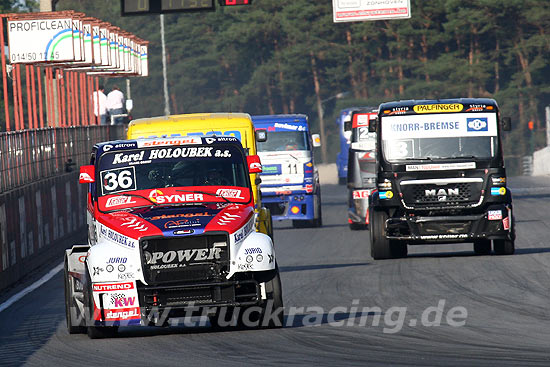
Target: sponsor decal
(477, 124)
(444, 237)
(110, 268)
(494, 215)
(174, 259)
(245, 267)
(438, 108)
(506, 223)
(440, 167)
(181, 215)
(116, 237)
(119, 200)
(170, 153)
(119, 158)
(243, 232)
(158, 197)
(183, 231)
(270, 258)
(85, 177)
(385, 194)
(117, 260)
(361, 194)
(426, 126)
(97, 270)
(229, 193)
(252, 251)
(173, 141)
(498, 180)
(496, 191)
(123, 314)
(271, 169)
(285, 192)
(286, 126)
(109, 287)
(125, 276)
(182, 223)
(118, 300)
(82, 258)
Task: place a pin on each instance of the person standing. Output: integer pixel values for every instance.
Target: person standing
(115, 104)
(100, 104)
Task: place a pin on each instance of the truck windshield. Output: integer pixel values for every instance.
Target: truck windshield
(439, 136)
(278, 141)
(172, 174)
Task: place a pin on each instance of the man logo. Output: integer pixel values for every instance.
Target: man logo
(477, 124)
(441, 194)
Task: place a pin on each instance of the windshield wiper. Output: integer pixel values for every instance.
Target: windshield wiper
(206, 193)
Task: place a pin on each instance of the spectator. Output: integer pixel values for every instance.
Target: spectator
(101, 108)
(115, 104)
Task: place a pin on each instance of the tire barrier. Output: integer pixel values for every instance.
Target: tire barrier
(42, 206)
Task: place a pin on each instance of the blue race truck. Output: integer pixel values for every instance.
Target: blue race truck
(290, 182)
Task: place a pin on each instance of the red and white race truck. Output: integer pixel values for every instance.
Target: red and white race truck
(171, 234)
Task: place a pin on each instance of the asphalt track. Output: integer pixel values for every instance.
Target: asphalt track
(506, 299)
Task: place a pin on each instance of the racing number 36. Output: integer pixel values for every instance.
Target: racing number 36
(118, 180)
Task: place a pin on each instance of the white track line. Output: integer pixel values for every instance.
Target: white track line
(31, 287)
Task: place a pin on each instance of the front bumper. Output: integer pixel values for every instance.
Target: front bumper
(495, 223)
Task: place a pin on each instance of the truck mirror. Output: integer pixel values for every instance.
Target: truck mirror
(316, 140)
(129, 105)
(506, 123)
(347, 126)
(87, 174)
(261, 135)
(372, 125)
(254, 164)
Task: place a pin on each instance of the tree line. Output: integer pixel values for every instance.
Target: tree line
(281, 56)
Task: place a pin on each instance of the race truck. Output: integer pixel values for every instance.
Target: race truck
(440, 177)
(342, 156)
(171, 234)
(361, 167)
(290, 182)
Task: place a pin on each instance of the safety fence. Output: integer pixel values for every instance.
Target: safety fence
(42, 205)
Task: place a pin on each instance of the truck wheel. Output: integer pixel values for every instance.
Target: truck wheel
(274, 304)
(482, 247)
(72, 313)
(342, 180)
(318, 222)
(94, 332)
(379, 245)
(504, 247)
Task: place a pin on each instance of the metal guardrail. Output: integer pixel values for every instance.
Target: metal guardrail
(32, 155)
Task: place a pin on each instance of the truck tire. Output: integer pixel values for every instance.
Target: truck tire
(504, 247)
(273, 304)
(482, 247)
(72, 313)
(318, 222)
(380, 248)
(342, 180)
(94, 332)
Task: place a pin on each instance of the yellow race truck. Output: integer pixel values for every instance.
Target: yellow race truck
(237, 125)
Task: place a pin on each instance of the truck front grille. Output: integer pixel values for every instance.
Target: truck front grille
(181, 260)
(441, 195)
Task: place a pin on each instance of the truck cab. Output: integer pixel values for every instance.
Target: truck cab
(290, 181)
(440, 177)
(170, 228)
(361, 179)
(238, 125)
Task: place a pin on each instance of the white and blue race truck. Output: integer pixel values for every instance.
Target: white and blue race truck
(171, 232)
(290, 182)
